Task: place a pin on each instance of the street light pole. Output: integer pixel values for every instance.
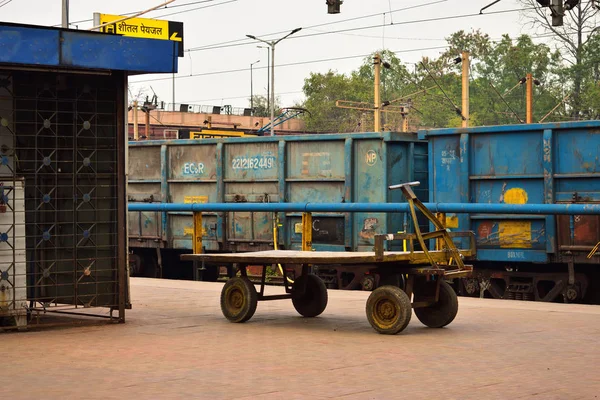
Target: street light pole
(273, 90)
(268, 74)
(272, 45)
(251, 91)
(65, 14)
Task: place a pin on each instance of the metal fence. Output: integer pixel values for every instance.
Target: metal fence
(204, 109)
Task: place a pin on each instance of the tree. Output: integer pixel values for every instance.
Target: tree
(441, 94)
(433, 90)
(393, 80)
(396, 82)
(590, 85)
(262, 107)
(507, 62)
(322, 91)
(138, 96)
(579, 28)
(496, 69)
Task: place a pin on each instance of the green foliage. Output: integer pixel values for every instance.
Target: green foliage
(322, 91)
(432, 90)
(577, 40)
(261, 106)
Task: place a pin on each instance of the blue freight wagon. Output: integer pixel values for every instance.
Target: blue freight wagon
(328, 168)
(522, 257)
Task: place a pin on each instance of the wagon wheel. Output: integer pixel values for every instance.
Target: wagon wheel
(238, 299)
(470, 287)
(309, 295)
(441, 313)
(388, 310)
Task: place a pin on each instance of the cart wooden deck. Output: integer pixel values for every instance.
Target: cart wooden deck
(318, 257)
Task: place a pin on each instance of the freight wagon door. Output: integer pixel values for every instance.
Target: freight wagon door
(315, 173)
(192, 178)
(250, 176)
(144, 186)
(578, 234)
(577, 180)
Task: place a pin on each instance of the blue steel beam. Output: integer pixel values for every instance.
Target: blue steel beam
(459, 208)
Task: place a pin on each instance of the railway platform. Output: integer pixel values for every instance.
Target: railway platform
(176, 344)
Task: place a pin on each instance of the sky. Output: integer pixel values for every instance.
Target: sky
(215, 73)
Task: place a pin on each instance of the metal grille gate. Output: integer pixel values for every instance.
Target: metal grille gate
(58, 139)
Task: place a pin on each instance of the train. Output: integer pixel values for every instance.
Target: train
(541, 258)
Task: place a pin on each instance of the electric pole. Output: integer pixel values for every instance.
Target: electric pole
(136, 135)
(466, 63)
(378, 106)
(377, 110)
(529, 91)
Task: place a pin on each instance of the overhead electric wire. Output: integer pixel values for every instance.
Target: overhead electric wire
(306, 62)
(284, 65)
(555, 108)
(314, 26)
(103, 24)
(216, 46)
(194, 9)
(3, 3)
(320, 60)
(135, 12)
(387, 37)
(506, 102)
(436, 19)
(458, 110)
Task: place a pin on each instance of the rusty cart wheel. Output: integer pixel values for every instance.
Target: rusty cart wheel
(389, 310)
(238, 299)
(309, 295)
(441, 313)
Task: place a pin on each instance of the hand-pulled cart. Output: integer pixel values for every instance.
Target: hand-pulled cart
(389, 307)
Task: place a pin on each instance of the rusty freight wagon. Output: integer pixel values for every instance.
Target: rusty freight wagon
(535, 257)
(331, 168)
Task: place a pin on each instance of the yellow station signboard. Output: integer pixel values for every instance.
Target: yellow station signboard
(144, 28)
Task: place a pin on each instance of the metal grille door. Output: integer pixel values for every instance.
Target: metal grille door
(58, 135)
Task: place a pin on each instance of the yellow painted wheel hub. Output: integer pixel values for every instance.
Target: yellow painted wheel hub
(235, 299)
(386, 313)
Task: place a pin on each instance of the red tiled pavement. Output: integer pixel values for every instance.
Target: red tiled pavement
(176, 344)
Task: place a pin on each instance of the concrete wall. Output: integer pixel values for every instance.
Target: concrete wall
(172, 119)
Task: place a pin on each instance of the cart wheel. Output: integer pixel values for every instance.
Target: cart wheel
(441, 313)
(238, 299)
(309, 295)
(389, 310)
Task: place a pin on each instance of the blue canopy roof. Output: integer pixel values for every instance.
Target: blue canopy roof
(27, 45)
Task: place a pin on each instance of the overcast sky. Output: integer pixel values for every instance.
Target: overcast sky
(216, 22)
